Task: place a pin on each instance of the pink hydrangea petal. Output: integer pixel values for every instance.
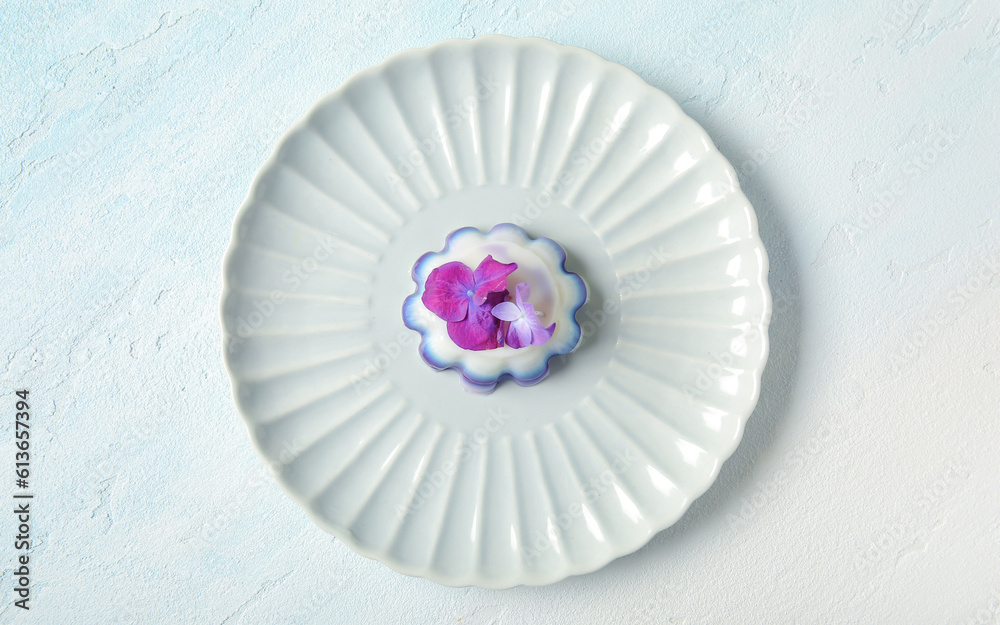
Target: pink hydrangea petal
(508, 311)
(500, 333)
(490, 277)
(470, 335)
(446, 292)
(492, 301)
(480, 329)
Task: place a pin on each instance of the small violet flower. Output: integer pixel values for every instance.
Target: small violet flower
(524, 328)
(464, 298)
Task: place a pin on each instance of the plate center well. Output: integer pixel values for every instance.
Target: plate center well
(439, 395)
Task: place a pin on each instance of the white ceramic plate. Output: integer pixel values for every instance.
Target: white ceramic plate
(530, 484)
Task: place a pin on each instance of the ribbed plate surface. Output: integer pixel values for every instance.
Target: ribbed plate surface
(527, 485)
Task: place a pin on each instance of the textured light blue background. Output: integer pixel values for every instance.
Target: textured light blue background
(865, 134)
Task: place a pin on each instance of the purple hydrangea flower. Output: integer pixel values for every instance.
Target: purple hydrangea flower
(464, 298)
(524, 328)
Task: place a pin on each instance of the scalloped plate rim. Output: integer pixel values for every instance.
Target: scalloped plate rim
(476, 580)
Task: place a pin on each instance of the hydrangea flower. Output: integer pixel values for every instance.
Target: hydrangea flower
(480, 329)
(450, 287)
(524, 328)
(464, 298)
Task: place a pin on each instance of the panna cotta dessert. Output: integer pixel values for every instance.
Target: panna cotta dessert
(495, 305)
